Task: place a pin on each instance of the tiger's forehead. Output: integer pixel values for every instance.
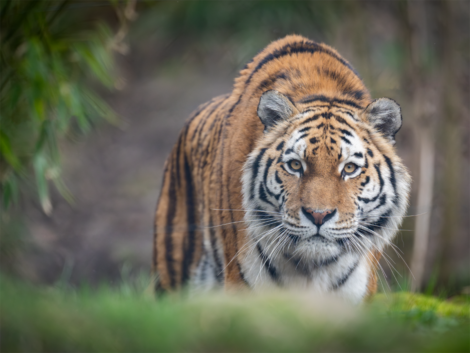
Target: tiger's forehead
(321, 131)
(331, 113)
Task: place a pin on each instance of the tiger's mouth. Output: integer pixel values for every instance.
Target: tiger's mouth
(298, 232)
(314, 242)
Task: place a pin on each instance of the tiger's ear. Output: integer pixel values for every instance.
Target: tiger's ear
(274, 107)
(384, 114)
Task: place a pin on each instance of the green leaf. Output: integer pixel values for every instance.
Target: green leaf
(49, 58)
(40, 167)
(10, 190)
(7, 152)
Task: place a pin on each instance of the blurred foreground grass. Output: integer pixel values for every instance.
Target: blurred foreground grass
(126, 320)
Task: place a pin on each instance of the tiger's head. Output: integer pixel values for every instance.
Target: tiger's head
(325, 178)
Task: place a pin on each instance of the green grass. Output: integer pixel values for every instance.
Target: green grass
(125, 320)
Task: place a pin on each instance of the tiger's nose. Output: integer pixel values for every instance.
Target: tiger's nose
(319, 217)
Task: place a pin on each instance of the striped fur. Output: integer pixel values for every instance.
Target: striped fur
(231, 213)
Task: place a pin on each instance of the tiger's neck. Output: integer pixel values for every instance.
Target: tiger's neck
(347, 275)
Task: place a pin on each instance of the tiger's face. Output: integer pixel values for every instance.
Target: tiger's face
(324, 181)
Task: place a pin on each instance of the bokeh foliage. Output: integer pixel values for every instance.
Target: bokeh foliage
(122, 320)
(48, 60)
(414, 52)
(242, 28)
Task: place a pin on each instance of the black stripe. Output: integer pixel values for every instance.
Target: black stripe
(358, 155)
(313, 140)
(248, 63)
(224, 100)
(347, 102)
(284, 169)
(342, 121)
(268, 265)
(345, 277)
(345, 140)
(219, 133)
(327, 262)
(155, 226)
(356, 94)
(314, 98)
(331, 100)
(263, 196)
(366, 181)
(269, 82)
(347, 113)
(221, 145)
(219, 272)
(208, 116)
(255, 168)
(289, 150)
(383, 200)
(264, 216)
(369, 152)
(242, 275)
(200, 126)
(305, 129)
(377, 168)
(301, 137)
(382, 221)
(276, 176)
(393, 181)
(312, 118)
(266, 171)
(279, 147)
(170, 215)
(346, 132)
(177, 158)
(297, 48)
(199, 110)
(315, 108)
(191, 221)
(341, 80)
(234, 228)
(332, 140)
(232, 108)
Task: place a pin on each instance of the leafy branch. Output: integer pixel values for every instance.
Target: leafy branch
(48, 61)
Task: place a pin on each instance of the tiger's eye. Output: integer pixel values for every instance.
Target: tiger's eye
(350, 168)
(295, 164)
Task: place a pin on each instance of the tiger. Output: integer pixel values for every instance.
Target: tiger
(289, 181)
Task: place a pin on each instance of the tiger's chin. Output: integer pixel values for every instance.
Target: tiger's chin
(316, 250)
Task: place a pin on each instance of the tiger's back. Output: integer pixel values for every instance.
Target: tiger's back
(204, 222)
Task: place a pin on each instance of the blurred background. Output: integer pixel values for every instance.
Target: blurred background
(94, 93)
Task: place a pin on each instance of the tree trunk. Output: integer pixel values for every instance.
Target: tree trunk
(452, 137)
(424, 207)
(424, 114)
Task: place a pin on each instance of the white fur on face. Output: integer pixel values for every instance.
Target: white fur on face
(279, 238)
